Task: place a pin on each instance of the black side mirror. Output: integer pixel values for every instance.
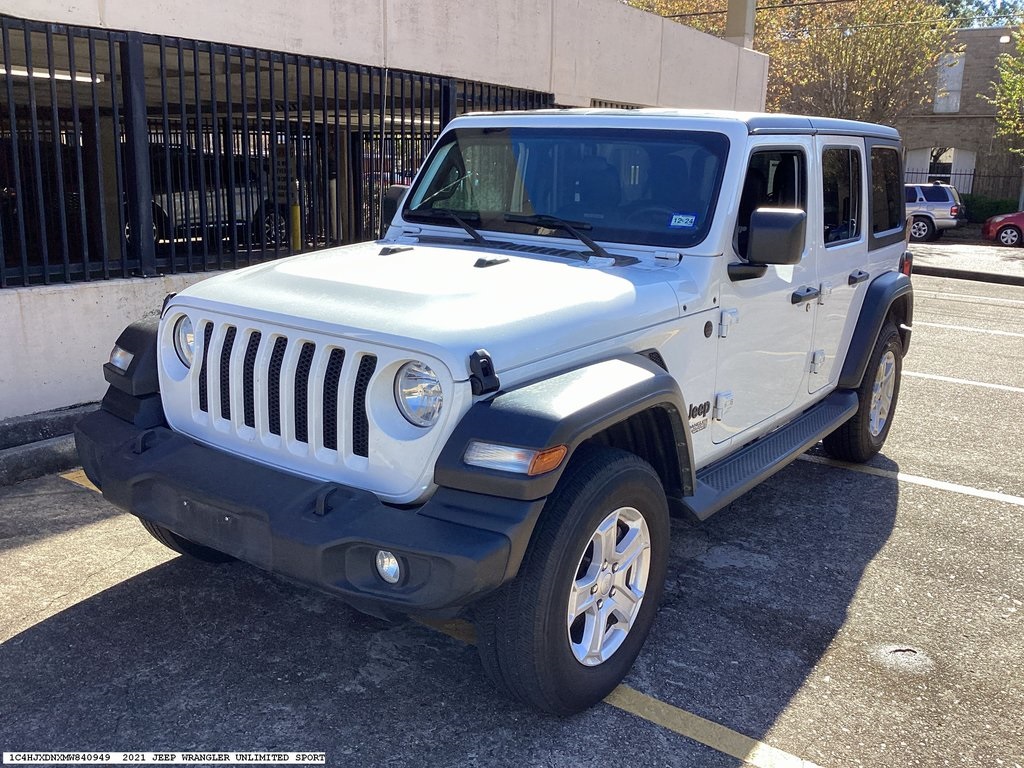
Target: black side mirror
(776, 236)
(392, 199)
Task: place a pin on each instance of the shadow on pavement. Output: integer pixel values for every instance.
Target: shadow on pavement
(191, 656)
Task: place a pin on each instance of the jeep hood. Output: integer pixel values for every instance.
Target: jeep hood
(444, 302)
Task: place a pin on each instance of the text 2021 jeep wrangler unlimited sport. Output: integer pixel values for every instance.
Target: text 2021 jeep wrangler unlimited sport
(577, 322)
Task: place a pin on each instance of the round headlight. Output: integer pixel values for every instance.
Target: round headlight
(184, 340)
(418, 394)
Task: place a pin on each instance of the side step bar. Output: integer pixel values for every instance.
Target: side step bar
(721, 483)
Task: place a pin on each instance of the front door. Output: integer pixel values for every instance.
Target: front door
(765, 335)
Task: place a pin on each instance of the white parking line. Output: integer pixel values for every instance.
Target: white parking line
(951, 380)
(967, 298)
(968, 328)
(916, 480)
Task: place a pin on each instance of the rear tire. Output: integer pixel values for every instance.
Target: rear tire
(563, 633)
(184, 546)
(863, 435)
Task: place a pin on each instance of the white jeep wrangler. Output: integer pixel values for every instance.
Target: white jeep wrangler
(577, 323)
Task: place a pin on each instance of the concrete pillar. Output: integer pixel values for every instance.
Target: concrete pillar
(739, 25)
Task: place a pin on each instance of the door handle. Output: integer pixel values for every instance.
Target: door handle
(807, 293)
(858, 276)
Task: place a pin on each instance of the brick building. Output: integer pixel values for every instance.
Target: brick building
(952, 138)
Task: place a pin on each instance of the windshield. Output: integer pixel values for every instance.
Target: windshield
(636, 186)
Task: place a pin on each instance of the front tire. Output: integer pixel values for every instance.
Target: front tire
(1009, 236)
(563, 634)
(922, 229)
(863, 435)
(184, 546)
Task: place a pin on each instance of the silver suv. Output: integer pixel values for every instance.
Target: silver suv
(935, 207)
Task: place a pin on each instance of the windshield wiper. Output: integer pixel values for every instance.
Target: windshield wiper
(457, 217)
(574, 228)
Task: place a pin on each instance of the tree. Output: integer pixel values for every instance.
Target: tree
(862, 59)
(1008, 96)
(983, 13)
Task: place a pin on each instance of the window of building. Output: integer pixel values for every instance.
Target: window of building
(949, 80)
(886, 190)
(841, 184)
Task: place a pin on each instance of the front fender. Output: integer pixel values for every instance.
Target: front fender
(565, 409)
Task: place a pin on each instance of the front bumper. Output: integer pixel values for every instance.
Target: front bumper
(453, 549)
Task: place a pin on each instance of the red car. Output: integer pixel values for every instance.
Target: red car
(1007, 228)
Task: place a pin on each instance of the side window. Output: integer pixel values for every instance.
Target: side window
(886, 200)
(775, 179)
(841, 185)
(934, 194)
(911, 194)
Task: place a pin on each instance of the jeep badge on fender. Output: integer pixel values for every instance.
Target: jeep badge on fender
(575, 321)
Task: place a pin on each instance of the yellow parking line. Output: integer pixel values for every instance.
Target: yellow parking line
(463, 631)
(77, 476)
(708, 733)
(694, 727)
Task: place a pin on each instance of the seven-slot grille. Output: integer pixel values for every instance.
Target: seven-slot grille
(286, 386)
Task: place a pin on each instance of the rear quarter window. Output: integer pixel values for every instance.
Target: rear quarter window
(886, 190)
(935, 194)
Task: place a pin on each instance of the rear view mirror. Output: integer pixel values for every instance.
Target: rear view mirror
(392, 199)
(776, 236)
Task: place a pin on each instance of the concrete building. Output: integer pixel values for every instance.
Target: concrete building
(240, 131)
(952, 138)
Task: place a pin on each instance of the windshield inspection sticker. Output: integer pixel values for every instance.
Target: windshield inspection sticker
(687, 220)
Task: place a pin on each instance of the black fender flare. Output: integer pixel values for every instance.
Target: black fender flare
(134, 394)
(566, 409)
(883, 292)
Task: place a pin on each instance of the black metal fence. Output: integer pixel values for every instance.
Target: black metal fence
(127, 154)
(995, 186)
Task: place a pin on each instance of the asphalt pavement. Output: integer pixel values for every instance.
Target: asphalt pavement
(834, 616)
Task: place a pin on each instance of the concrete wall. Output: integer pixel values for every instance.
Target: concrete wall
(56, 338)
(577, 49)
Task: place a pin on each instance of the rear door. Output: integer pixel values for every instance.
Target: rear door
(840, 245)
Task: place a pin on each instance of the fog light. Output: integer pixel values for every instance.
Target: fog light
(388, 567)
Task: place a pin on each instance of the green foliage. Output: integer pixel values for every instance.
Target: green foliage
(864, 59)
(983, 13)
(980, 208)
(1008, 95)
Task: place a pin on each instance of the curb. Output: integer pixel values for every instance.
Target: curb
(40, 443)
(43, 457)
(964, 274)
(22, 430)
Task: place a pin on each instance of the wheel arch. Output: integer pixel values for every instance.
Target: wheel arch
(626, 402)
(890, 296)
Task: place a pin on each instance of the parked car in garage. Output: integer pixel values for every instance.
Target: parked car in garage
(935, 208)
(197, 195)
(1005, 229)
